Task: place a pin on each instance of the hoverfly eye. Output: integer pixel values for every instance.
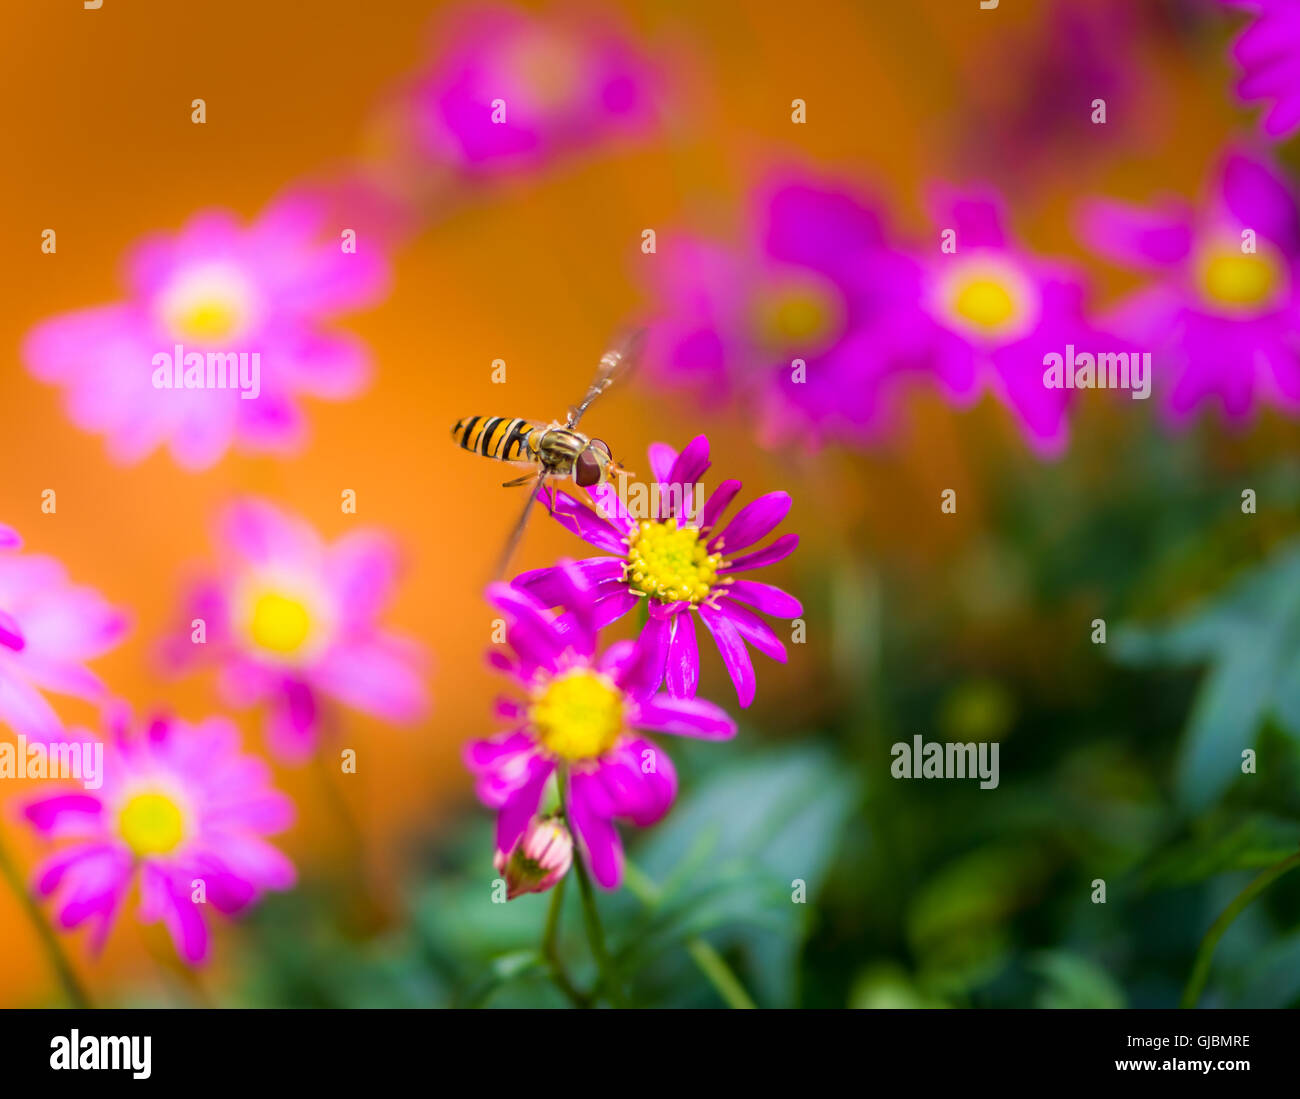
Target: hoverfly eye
(603, 446)
(587, 469)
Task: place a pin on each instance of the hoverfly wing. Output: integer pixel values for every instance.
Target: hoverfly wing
(616, 362)
(513, 541)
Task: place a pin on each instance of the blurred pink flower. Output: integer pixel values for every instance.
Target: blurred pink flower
(555, 84)
(683, 563)
(180, 808)
(291, 619)
(216, 289)
(815, 282)
(579, 719)
(1223, 321)
(49, 628)
(994, 310)
(1268, 52)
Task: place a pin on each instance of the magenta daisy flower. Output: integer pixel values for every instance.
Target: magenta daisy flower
(816, 283)
(290, 619)
(182, 815)
(683, 562)
(995, 312)
(1268, 52)
(579, 720)
(512, 91)
(1222, 311)
(244, 309)
(49, 628)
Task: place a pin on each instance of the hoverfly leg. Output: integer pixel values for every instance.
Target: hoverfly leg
(518, 481)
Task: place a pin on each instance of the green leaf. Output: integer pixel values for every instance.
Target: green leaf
(1250, 637)
(1073, 981)
(1214, 848)
(1273, 980)
(732, 850)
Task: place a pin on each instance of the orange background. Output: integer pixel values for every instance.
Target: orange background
(95, 109)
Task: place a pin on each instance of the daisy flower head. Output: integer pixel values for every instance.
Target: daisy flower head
(805, 320)
(578, 719)
(512, 91)
(49, 628)
(182, 815)
(1222, 305)
(222, 330)
(994, 311)
(290, 619)
(684, 562)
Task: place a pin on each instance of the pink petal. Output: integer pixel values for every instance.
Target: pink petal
(734, 654)
(597, 835)
(770, 554)
(766, 598)
(693, 717)
(682, 668)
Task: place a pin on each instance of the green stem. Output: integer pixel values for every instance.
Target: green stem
(706, 958)
(596, 935)
(1205, 953)
(72, 988)
(551, 952)
(720, 975)
(590, 917)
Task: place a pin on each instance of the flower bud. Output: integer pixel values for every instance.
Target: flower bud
(540, 858)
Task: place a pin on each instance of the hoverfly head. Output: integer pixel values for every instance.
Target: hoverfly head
(595, 464)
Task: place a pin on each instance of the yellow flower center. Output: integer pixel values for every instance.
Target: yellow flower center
(988, 296)
(1240, 280)
(578, 715)
(802, 315)
(280, 623)
(208, 321)
(151, 824)
(207, 306)
(671, 563)
(985, 302)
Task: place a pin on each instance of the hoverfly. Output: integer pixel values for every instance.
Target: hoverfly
(556, 450)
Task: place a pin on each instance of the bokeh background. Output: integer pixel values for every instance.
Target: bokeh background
(974, 626)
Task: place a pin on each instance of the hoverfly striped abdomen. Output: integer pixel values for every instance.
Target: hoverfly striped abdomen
(555, 451)
(499, 437)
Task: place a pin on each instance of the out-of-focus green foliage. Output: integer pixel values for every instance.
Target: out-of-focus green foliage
(1120, 770)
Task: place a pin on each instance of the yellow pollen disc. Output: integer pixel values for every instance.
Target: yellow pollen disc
(208, 321)
(1231, 277)
(151, 824)
(985, 302)
(280, 623)
(796, 318)
(208, 305)
(578, 715)
(671, 563)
